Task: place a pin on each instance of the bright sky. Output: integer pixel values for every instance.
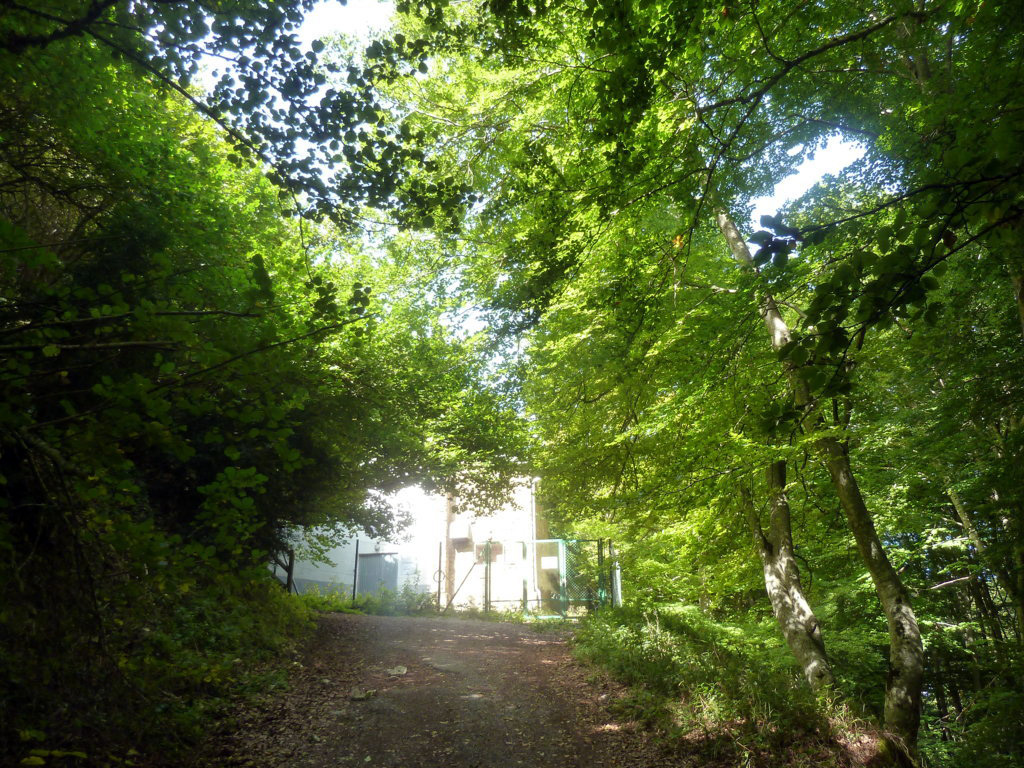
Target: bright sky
(832, 158)
(356, 18)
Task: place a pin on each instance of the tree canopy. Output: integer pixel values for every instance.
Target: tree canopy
(190, 375)
(226, 315)
(676, 365)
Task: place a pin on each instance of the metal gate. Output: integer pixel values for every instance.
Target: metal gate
(375, 572)
(549, 576)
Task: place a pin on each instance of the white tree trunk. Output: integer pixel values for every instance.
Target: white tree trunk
(906, 652)
(799, 625)
(1018, 295)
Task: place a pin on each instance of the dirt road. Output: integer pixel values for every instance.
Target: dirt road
(389, 692)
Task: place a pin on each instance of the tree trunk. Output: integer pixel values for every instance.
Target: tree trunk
(906, 652)
(799, 625)
(1018, 295)
(954, 691)
(1014, 529)
(782, 582)
(941, 703)
(1011, 584)
(449, 548)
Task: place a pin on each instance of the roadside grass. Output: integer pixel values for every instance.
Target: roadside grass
(410, 602)
(725, 692)
(407, 601)
(537, 622)
(172, 663)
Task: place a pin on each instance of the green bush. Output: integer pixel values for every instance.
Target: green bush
(695, 676)
(408, 601)
(987, 735)
(173, 652)
(328, 600)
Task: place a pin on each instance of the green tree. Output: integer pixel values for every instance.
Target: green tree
(187, 375)
(586, 128)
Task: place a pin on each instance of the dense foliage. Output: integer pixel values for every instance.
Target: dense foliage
(828, 407)
(813, 425)
(188, 376)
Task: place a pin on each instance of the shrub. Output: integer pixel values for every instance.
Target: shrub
(173, 652)
(732, 687)
(409, 601)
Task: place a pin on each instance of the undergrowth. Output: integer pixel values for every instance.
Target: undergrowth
(410, 601)
(729, 692)
(144, 687)
(407, 601)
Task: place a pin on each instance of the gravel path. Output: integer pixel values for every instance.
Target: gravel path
(389, 692)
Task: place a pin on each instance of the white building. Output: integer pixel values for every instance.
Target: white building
(501, 561)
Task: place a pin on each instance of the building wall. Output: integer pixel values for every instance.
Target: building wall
(417, 551)
(511, 530)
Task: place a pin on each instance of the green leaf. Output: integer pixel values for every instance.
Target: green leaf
(787, 349)
(800, 355)
(815, 237)
(933, 313)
